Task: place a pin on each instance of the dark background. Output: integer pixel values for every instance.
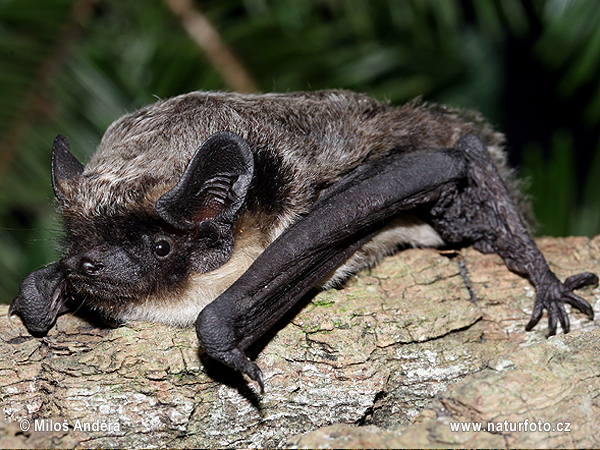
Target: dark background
(73, 66)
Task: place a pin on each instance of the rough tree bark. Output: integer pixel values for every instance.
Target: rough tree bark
(425, 340)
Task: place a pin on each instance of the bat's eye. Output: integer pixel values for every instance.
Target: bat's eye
(162, 248)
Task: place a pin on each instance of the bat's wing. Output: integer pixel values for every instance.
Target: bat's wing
(346, 216)
(41, 299)
(467, 203)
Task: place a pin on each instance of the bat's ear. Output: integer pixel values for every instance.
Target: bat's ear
(64, 165)
(213, 186)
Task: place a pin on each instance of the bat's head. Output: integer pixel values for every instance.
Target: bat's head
(133, 237)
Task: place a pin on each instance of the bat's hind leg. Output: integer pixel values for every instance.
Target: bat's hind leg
(481, 213)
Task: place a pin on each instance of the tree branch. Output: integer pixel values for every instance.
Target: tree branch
(402, 348)
(36, 103)
(203, 32)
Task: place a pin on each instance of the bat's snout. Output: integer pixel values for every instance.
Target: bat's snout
(90, 267)
(90, 264)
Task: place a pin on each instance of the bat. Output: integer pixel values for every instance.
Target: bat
(223, 210)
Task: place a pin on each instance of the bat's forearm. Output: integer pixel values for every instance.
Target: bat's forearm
(336, 227)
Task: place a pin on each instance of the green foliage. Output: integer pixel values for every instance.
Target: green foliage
(554, 182)
(68, 70)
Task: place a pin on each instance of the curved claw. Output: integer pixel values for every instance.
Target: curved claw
(552, 297)
(563, 317)
(577, 302)
(536, 315)
(236, 359)
(241, 362)
(580, 280)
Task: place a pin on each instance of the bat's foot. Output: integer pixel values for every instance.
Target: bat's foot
(552, 296)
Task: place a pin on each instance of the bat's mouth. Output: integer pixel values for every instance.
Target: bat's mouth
(105, 299)
(101, 293)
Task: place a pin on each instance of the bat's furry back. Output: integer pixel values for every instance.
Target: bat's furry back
(302, 143)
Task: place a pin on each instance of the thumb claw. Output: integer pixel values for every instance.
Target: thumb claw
(238, 360)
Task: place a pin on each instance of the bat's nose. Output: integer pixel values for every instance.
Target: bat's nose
(90, 267)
